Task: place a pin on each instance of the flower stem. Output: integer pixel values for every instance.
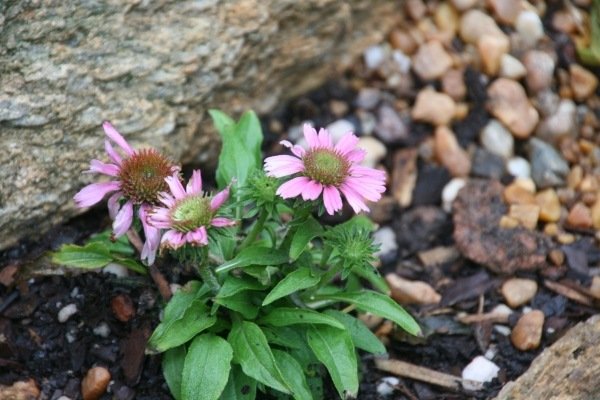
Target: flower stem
(256, 229)
(207, 275)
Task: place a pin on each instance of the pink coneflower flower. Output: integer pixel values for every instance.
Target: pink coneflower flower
(138, 178)
(188, 213)
(328, 169)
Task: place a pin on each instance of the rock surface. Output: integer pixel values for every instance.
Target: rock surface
(153, 69)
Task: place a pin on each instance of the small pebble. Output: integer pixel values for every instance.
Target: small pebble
(527, 333)
(529, 26)
(431, 61)
(583, 82)
(540, 70)
(66, 312)
(338, 108)
(95, 383)
(122, 307)
(374, 148)
(506, 11)
(516, 194)
(503, 330)
(548, 168)
(475, 23)
(433, 107)
(497, 139)
(487, 165)
(453, 84)
(526, 214)
(449, 152)
(339, 128)
(481, 370)
(517, 291)
(391, 129)
(175, 287)
(368, 98)
(102, 330)
(120, 271)
(462, 5)
(560, 123)
(491, 49)
(511, 67)
(405, 291)
(580, 216)
(386, 239)
(549, 205)
(595, 210)
(20, 390)
(450, 192)
(387, 385)
(518, 167)
(374, 57)
(509, 103)
(403, 61)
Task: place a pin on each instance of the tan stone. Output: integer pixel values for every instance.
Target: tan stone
(526, 214)
(549, 205)
(583, 82)
(525, 183)
(527, 333)
(595, 287)
(491, 49)
(517, 291)
(557, 257)
(508, 222)
(446, 18)
(580, 216)
(95, 383)
(433, 107)
(453, 84)
(551, 229)
(403, 41)
(595, 210)
(509, 103)
(475, 23)
(575, 177)
(515, 194)
(589, 183)
(404, 175)
(565, 238)
(506, 11)
(431, 61)
(449, 153)
(438, 255)
(411, 292)
(20, 390)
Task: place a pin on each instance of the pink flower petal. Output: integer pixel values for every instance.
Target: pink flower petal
(113, 204)
(194, 185)
(356, 155)
(166, 199)
(310, 134)
(365, 188)
(123, 219)
(197, 237)
(293, 187)
(160, 218)
(175, 186)
(112, 153)
(152, 236)
(102, 168)
(354, 199)
(94, 193)
(173, 239)
(116, 137)
(220, 198)
(346, 144)
(279, 166)
(312, 190)
(297, 150)
(325, 139)
(332, 199)
(220, 222)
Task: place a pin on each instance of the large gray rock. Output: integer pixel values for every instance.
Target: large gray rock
(152, 68)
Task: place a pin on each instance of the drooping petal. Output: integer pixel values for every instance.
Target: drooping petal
(172, 239)
(284, 165)
(220, 222)
(94, 193)
(197, 237)
(113, 204)
(166, 199)
(325, 139)
(116, 137)
(346, 144)
(103, 168)
(332, 199)
(152, 236)
(293, 187)
(312, 190)
(123, 219)
(310, 134)
(194, 185)
(354, 199)
(175, 186)
(160, 218)
(112, 153)
(220, 198)
(297, 150)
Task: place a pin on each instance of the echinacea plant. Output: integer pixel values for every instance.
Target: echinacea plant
(271, 308)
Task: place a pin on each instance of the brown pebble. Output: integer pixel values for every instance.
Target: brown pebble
(433, 107)
(508, 222)
(122, 307)
(431, 61)
(551, 229)
(449, 152)
(516, 194)
(405, 291)
(565, 238)
(509, 103)
(583, 82)
(527, 333)
(20, 390)
(526, 214)
(517, 291)
(506, 11)
(95, 383)
(491, 49)
(403, 41)
(453, 84)
(580, 216)
(383, 210)
(557, 257)
(549, 205)
(595, 210)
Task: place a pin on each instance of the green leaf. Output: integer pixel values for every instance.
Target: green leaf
(304, 234)
(234, 285)
(299, 279)
(591, 54)
(361, 335)
(372, 275)
(182, 299)
(255, 255)
(335, 350)
(222, 121)
(293, 374)
(250, 131)
(378, 304)
(118, 245)
(239, 386)
(285, 336)
(285, 316)
(206, 368)
(90, 256)
(172, 366)
(242, 302)
(132, 264)
(252, 352)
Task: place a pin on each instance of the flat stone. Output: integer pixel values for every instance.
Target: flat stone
(548, 167)
(95, 383)
(583, 82)
(368, 98)
(527, 333)
(580, 217)
(480, 369)
(549, 205)
(491, 49)
(529, 27)
(463, 5)
(438, 256)
(526, 214)
(446, 18)
(540, 70)
(385, 237)
(339, 128)
(511, 67)
(453, 84)
(433, 107)
(405, 291)
(477, 212)
(517, 291)
(508, 102)
(497, 139)
(449, 153)
(431, 61)
(403, 41)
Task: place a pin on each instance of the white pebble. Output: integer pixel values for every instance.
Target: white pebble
(497, 139)
(511, 68)
(64, 398)
(502, 309)
(102, 330)
(450, 192)
(116, 269)
(402, 60)
(387, 385)
(491, 352)
(66, 312)
(339, 128)
(71, 337)
(518, 167)
(386, 239)
(374, 148)
(480, 370)
(529, 26)
(501, 329)
(374, 56)
(75, 292)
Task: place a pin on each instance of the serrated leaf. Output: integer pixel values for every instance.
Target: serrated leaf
(299, 279)
(285, 316)
(303, 235)
(251, 350)
(255, 255)
(335, 350)
(172, 366)
(206, 368)
(90, 256)
(239, 386)
(293, 374)
(361, 335)
(378, 304)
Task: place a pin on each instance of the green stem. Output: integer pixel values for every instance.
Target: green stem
(256, 229)
(207, 275)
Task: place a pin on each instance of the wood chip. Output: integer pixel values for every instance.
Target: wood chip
(568, 292)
